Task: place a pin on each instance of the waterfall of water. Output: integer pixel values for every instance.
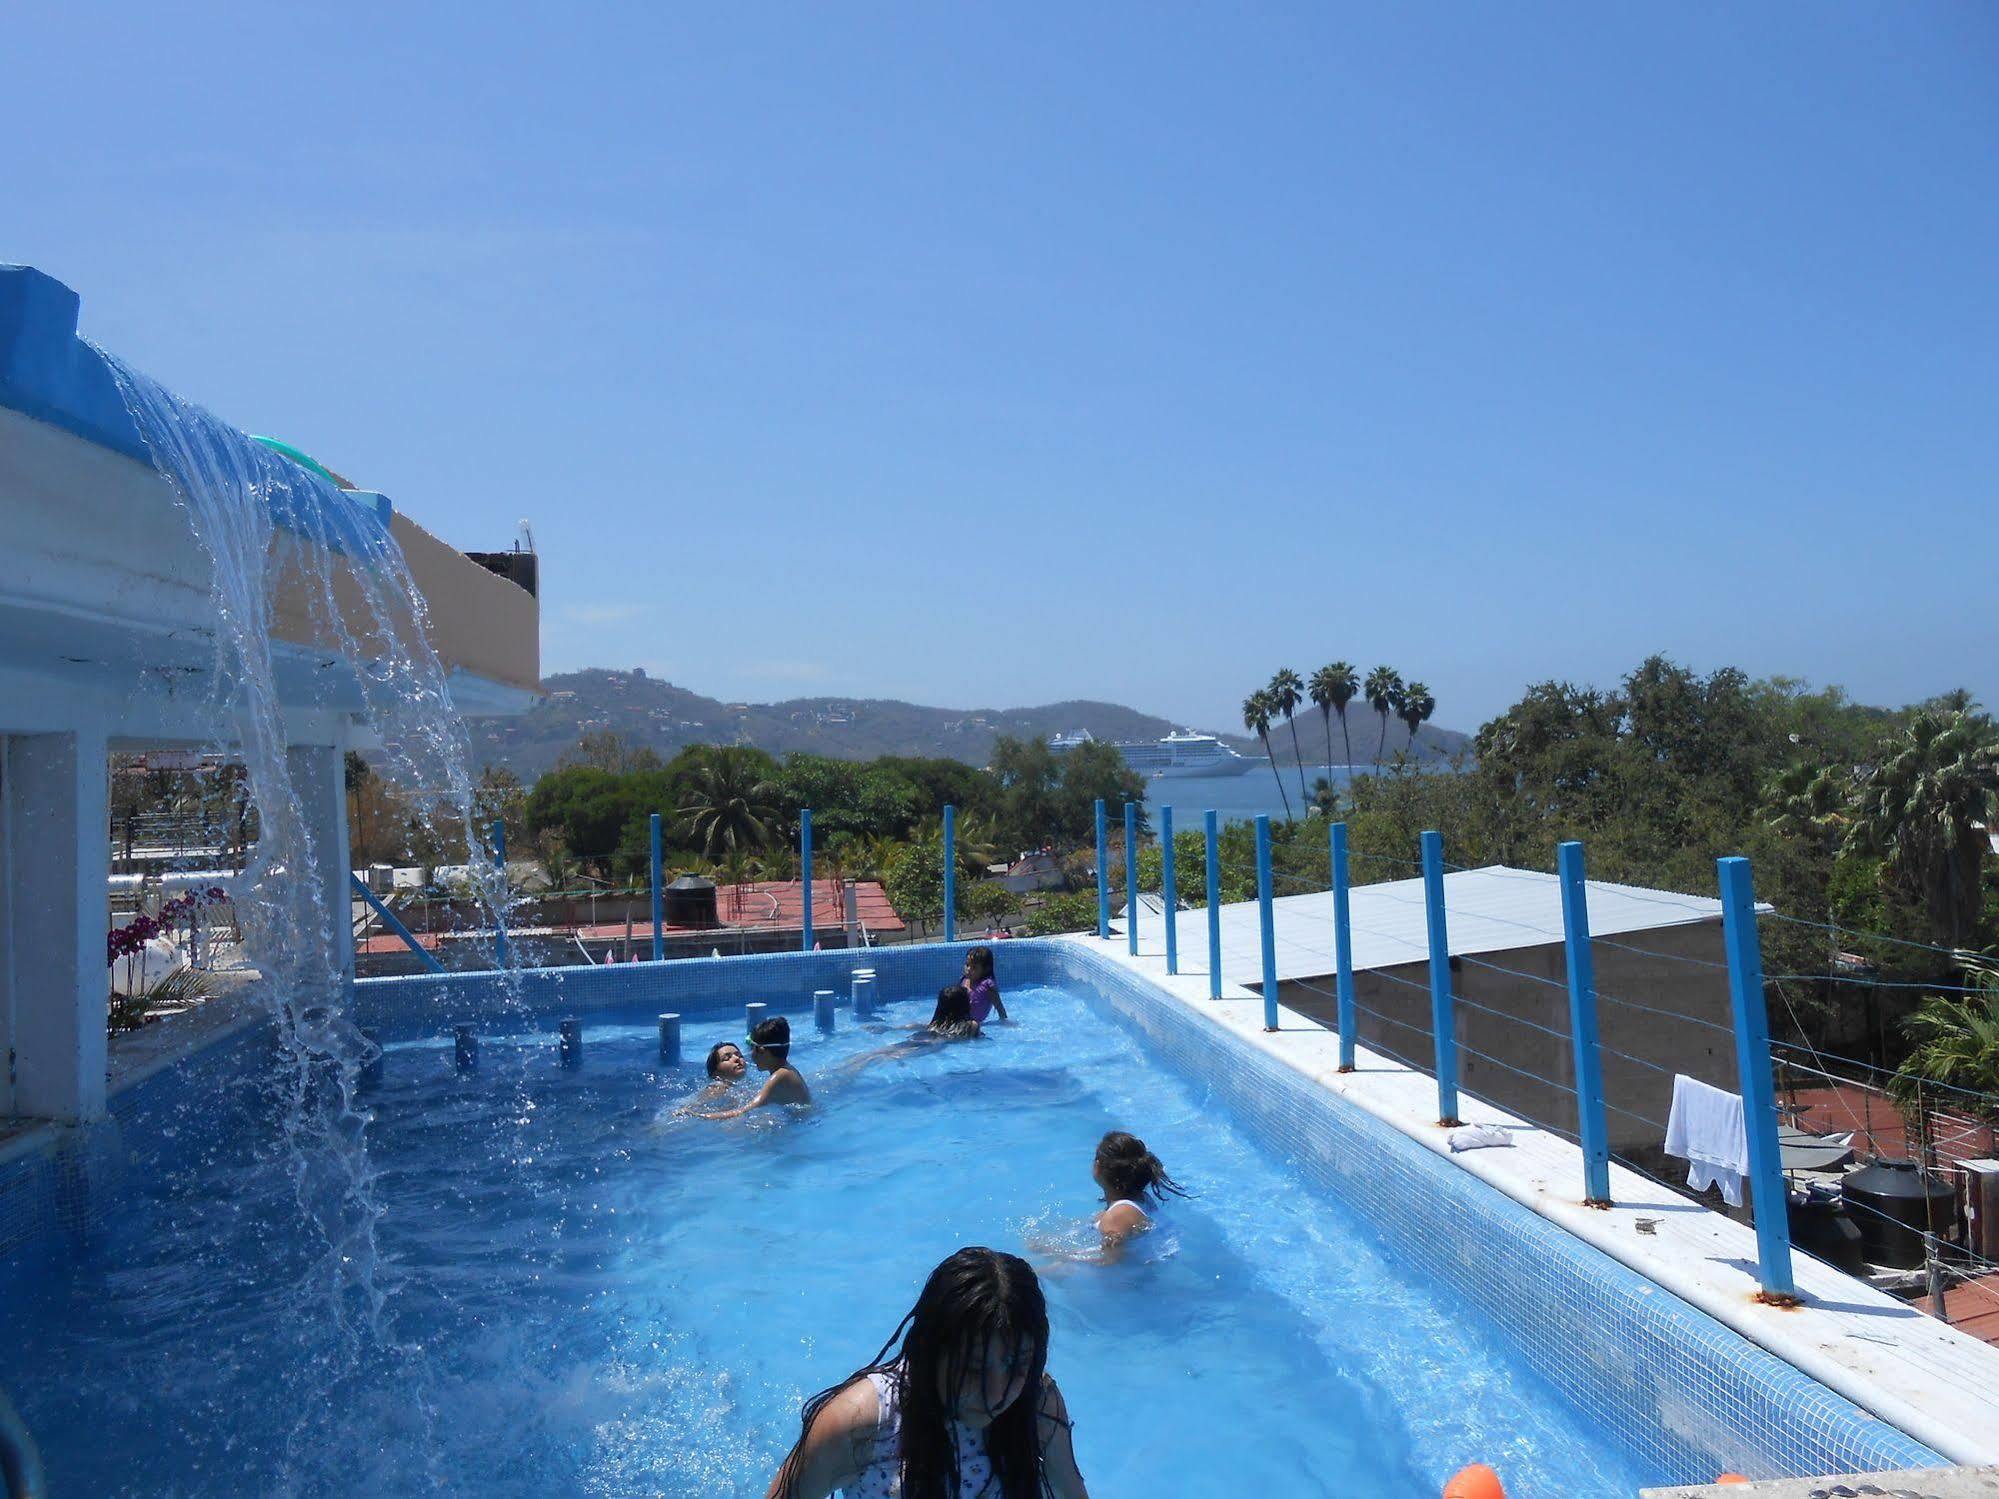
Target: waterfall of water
(264, 520)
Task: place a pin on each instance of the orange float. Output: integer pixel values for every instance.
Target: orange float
(1476, 1482)
(1731, 1478)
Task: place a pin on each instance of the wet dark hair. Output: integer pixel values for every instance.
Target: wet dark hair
(977, 1300)
(715, 1056)
(981, 959)
(1131, 1171)
(774, 1036)
(954, 1006)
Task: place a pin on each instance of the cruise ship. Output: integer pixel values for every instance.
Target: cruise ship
(1179, 754)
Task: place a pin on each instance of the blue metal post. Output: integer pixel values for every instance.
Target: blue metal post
(1214, 906)
(1266, 920)
(1103, 876)
(1131, 877)
(1443, 1011)
(500, 912)
(1169, 890)
(390, 920)
(1582, 1026)
(658, 898)
(950, 873)
(805, 876)
(1752, 1075)
(1343, 948)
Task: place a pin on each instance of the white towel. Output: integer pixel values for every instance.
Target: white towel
(1706, 1131)
(1477, 1137)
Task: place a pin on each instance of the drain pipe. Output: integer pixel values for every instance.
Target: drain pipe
(20, 1460)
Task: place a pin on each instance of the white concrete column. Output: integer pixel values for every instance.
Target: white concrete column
(319, 773)
(54, 984)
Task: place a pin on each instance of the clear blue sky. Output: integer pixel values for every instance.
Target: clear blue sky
(996, 354)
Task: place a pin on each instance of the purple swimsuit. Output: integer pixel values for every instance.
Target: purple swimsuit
(984, 992)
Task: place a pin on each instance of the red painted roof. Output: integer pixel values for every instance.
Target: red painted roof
(755, 903)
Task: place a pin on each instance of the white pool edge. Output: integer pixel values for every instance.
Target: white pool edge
(1918, 1374)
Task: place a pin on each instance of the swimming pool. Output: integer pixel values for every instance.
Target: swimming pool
(587, 1294)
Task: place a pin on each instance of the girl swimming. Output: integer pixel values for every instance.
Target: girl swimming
(1130, 1177)
(950, 1021)
(963, 1408)
(979, 980)
(727, 1066)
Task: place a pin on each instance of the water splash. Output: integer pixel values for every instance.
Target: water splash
(271, 527)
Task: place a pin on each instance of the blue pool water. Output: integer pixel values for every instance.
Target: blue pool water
(587, 1294)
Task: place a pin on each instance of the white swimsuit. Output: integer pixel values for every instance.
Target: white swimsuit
(882, 1479)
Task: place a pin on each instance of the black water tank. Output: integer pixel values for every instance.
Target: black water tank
(690, 901)
(1893, 1203)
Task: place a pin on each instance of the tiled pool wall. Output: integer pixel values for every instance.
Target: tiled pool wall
(1681, 1393)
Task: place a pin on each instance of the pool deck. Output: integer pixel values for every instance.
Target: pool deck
(1926, 1483)
(1914, 1372)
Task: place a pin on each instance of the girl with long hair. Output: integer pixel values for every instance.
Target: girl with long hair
(958, 1404)
(1134, 1185)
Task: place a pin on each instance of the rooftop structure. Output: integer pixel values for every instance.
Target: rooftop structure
(109, 630)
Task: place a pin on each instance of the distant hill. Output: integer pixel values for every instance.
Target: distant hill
(647, 711)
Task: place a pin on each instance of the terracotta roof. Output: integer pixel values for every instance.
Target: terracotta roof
(754, 903)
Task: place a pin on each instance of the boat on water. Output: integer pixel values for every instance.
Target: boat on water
(1181, 754)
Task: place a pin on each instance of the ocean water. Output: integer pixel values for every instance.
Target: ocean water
(589, 1293)
(1236, 798)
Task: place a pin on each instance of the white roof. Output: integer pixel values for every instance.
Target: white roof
(1485, 910)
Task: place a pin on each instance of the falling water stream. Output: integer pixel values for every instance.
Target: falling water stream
(268, 525)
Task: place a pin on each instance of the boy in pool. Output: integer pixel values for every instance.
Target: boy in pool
(979, 984)
(770, 1051)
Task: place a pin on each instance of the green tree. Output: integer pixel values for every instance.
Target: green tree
(1332, 688)
(1286, 692)
(1091, 772)
(1926, 809)
(1028, 778)
(1383, 687)
(914, 883)
(729, 807)
(1062, 913)
(991, 902)
(1957, 1041)
(603, 749)
(1256, 715)
(1414, 708)
(498, 796)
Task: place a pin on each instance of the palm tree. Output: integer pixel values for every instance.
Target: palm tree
(1286, 693)
(1414, 709)
(1926, 808)
(1256, 718)
(1384, 686)
(728, 808)
(1333, 687)
(1811, 806)
(1957, 1036)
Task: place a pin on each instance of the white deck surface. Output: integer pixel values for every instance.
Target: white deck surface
(1489, 910)
(1921, 1375)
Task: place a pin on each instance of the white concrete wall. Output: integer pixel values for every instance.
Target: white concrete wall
(53, 989)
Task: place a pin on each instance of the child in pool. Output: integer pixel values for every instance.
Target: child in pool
(979, 982)
(770, 1051)
(1130, 1177)
(727, 1066)
(950, 1021)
